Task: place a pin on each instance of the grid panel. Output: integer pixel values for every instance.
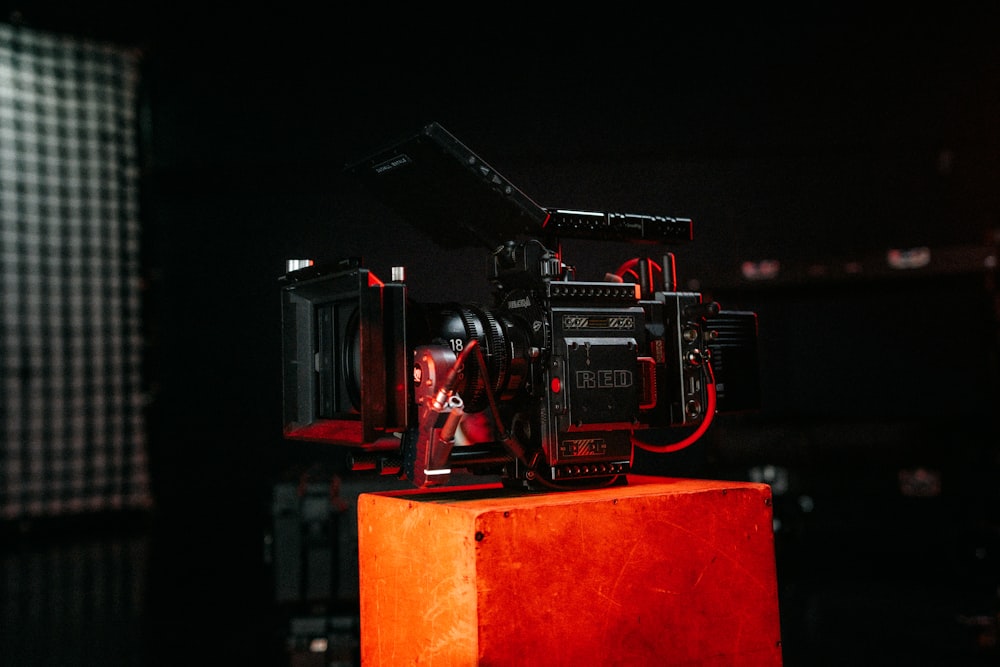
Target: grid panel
(78, 603)
(72, 434)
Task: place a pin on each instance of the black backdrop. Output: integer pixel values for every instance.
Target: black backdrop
(827, 140)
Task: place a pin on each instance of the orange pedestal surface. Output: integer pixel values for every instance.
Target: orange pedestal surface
(661, 571)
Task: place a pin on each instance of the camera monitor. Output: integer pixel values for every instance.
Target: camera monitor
(440, 186)
(444, 189)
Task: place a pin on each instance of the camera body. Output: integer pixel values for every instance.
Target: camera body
(551, 385)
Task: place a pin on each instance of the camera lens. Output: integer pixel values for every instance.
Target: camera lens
(503, 344)
(351, 361)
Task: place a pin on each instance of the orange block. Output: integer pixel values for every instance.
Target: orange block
(661, 571)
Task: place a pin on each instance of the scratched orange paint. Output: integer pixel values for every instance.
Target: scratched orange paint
(661, 571)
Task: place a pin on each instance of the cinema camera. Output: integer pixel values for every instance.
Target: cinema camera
(550, 386)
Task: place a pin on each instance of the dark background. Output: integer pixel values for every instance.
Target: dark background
(820, 141)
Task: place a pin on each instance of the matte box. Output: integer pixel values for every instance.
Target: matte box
(660, 571)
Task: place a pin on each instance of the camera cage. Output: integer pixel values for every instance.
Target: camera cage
(559, 375)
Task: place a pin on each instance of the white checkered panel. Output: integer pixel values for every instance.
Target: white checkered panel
(72, 434)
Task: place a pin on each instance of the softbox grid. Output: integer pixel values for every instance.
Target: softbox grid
(72, 433)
